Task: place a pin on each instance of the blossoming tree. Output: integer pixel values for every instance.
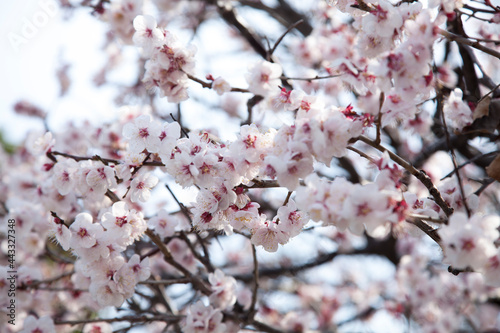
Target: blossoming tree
(358, 187)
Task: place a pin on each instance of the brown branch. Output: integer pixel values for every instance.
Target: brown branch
(166, 282)
(419, 174)
(83, 158)
(203, 259)
(379, 117)
(252, 309)
(250, 104)
(466, 41)
(167, 255)
(426, 228)
(310, 79)
(208, 85)
(130, 319)
(293, 26)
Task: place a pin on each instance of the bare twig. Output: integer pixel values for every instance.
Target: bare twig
(208, 85)
(310, 79)
(250, 104)
(167, 255)
(427, 229)
(252, 310)
(379, 117)
(466, 41)
(182, 128)
(166, 282)
(130, 319)
(293, 26)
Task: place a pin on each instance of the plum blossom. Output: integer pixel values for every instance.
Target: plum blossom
(139, 269)
(269, 235)
(61, 233)
(141, 186)
(382, 20)
(469, 242)
(263, 77)
(117, 220)
(43, 144)
(245, 218)
(102, 327)
(99, 179)
(147, 35)
(221, 86)
(84, 232)
(291, 220)
(44, 324)
(491, 271)
(65, 176)
(203, 319)
(169, 134)
(143, 133)
(224, 289)
(106, 294)
(168, 67)
(163, 223)
(456, 111)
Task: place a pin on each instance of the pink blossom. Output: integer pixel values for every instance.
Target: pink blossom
(42, 325)
(163, 223)
(469, 242)
(143, 133)
(203, 319)
(457, 111)
(83, 231)
(224, 290)
(269, 235)
(263, 77)
(141, 186)
(147, 35)
(221, 86)
(65, 176)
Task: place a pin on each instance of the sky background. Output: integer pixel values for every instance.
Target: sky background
(29, 68)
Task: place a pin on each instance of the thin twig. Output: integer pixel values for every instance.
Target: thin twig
(427, 218)
(184, 210)
(182, 128)
(470, 161)
(427, 229)
(203, 259)
(83, 158)
(310, 79)
(33, 284)
(166, 282)
(252, 310)
(379, 117)
(362, 154)
(489, 93)
(167, 255)
(130, 319)
(208, 85)
(250, 104)
(293, 26)
(463, 40)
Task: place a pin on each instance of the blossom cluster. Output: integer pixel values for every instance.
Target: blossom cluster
(373, 207)
(81, 198)
(168, 62)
